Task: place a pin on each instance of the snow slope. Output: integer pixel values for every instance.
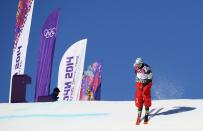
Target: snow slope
(167, 115)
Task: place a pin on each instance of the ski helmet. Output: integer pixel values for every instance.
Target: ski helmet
(139, 61)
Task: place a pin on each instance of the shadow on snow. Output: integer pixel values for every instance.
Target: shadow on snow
(171, 111)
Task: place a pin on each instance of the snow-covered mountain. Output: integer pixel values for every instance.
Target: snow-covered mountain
(167, 115)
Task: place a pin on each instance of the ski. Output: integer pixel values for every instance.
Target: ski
(138, 121)
(146, 122)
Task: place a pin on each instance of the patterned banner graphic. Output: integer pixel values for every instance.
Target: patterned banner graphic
(91, 83)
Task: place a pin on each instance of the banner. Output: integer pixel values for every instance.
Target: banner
(22, 31)
(71, 70)
(46, 53)
(91, 83)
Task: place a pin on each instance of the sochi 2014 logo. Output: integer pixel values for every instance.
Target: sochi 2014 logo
(48, 33)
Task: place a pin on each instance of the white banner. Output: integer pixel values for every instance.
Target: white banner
(22, 31)
(71, 70)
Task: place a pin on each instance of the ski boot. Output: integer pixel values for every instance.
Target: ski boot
(146, 118)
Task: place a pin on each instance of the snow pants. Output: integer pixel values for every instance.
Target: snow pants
(143, 95)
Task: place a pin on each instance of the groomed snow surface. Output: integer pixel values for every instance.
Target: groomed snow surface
(165, 115)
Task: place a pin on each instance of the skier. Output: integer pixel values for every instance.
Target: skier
(143, 85)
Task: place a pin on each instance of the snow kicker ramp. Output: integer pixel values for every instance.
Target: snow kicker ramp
(167, 115)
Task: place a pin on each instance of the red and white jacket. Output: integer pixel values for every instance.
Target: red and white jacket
(143, 74)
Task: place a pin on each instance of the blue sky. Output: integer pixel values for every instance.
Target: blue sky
(166, 34)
